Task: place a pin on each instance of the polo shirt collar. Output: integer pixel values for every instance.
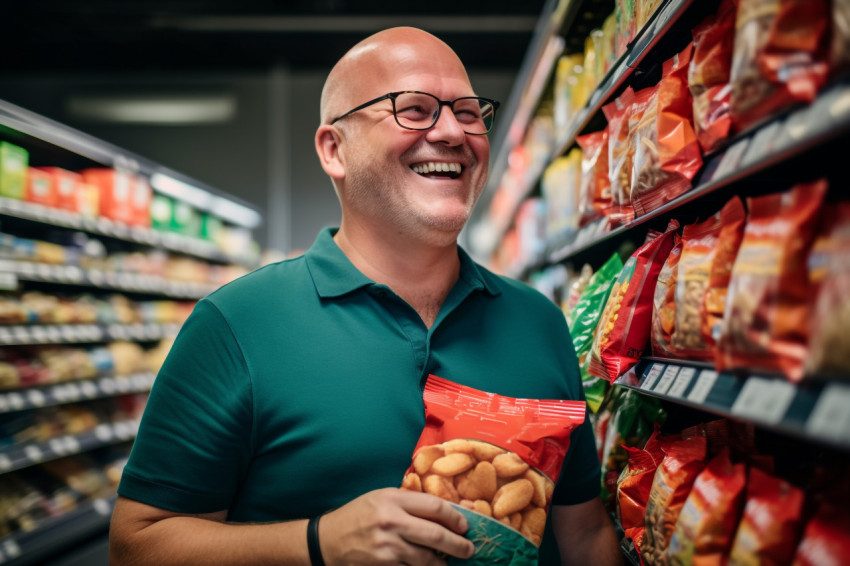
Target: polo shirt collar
(334, 275)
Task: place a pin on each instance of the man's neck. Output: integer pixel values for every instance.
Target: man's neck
(421, 274)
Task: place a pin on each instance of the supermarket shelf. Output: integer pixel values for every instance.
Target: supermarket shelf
(28, 454)
(54, 534)
(13, 271)
(105, 227)
(773, 143)
(162, 179)
(32, 335)
(814, 411)
(73, 391)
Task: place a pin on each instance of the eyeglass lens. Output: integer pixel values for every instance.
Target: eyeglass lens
(419, 111)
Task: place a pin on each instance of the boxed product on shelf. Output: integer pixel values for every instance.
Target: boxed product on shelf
(185, 219)
(40, 187)
(140, 201)
(65, 191)
(115, 188)
(14, 161)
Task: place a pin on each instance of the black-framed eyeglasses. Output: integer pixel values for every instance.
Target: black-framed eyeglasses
(415, 110)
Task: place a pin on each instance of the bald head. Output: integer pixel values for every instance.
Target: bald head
(378, 65)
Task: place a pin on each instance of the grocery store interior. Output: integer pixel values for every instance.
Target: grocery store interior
(668, 172)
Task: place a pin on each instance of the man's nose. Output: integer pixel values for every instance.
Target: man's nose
(447, 129)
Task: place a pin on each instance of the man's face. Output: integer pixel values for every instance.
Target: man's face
(419, 182)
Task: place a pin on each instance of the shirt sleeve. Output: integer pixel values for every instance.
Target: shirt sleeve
(195, 437)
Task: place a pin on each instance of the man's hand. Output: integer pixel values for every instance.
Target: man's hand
(389, 526)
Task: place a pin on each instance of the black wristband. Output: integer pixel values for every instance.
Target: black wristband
(313, 542)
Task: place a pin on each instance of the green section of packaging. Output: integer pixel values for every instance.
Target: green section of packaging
(210, 227)
(162, 208)
(185, 219)
(495, 543)
(14, 161)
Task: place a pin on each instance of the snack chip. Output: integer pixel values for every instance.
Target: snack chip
(497, 459)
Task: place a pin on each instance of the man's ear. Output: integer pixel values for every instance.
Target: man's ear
(328, 147)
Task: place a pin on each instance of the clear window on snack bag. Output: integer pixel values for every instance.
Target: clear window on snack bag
(497, 459)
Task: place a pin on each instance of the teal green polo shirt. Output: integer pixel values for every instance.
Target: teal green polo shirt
(298, 387)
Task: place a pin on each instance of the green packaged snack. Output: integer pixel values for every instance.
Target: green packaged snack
(583, 319)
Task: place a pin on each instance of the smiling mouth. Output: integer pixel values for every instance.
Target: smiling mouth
(435, 169)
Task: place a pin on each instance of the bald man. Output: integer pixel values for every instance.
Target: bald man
(295, 393)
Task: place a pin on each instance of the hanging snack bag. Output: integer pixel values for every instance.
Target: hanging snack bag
(594, 198)
(780, 57)
(826, 539)
(664, 303)
(708, 75)
(497, 459)
(699, 244)
(667, 155)
(766, 321)
(671, 485)
(732, 220)
(620, 152)
(829, 271)
(770, 525)
(582, 321)
(623, 331)
(710, 515)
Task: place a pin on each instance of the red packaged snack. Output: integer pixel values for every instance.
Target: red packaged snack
(620, 151)
(732, 220)
(683, 462)
(708, 75)
(770, 526)
(595, 188)
(826, 539)
(664, 303)
(699, 244)
(781, 56)
(710, 515)
(497, 458)
(667, 154)
(766, 322)
(623, 330)
(634, 485)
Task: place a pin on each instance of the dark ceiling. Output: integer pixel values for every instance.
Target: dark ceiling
(167, 35)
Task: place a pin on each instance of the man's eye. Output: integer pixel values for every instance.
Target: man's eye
(413, 112)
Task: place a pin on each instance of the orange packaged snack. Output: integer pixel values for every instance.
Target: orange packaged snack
(667, 155)
(766, 321)
(708, 75)
(664, 303)
(634, 484)
(595, 188)
(709, 517)
(770, 526)
(732, 220)
(780, 58)
(623, 331)
(683, 462)
(826, 539)
(497, 459)
(620, 150)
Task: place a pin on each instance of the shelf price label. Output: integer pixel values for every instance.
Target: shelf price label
(765, 400)
(683, 380)
(702, 387)
(667, 378)
(830, 419)
(652, 376)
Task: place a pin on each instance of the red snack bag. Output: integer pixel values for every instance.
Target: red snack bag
(623, 330)
(683, 462)
(620, 151)
(664, 303)
(709, 517)
(826, 539)
(781, 56)
(634, 484)
(667, 154)
(732, 220)
(708, 75)
(699, 244)
(769, 528)
(496, 457)
(595, 188)
(766, 322)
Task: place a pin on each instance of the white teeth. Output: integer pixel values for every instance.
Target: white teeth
(433, 166)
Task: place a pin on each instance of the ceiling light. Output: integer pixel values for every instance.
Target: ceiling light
(158, 109)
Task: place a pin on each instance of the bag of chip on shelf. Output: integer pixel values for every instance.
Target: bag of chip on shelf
(708, 75)
(594, 199)
(582, 321)
(664, 303)
(826, 538)
(497, 459)
(829, 272)
(781, 57)
(667, 155)
(620, 151)
(623, 331)
(770, 525)
(767, 316)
